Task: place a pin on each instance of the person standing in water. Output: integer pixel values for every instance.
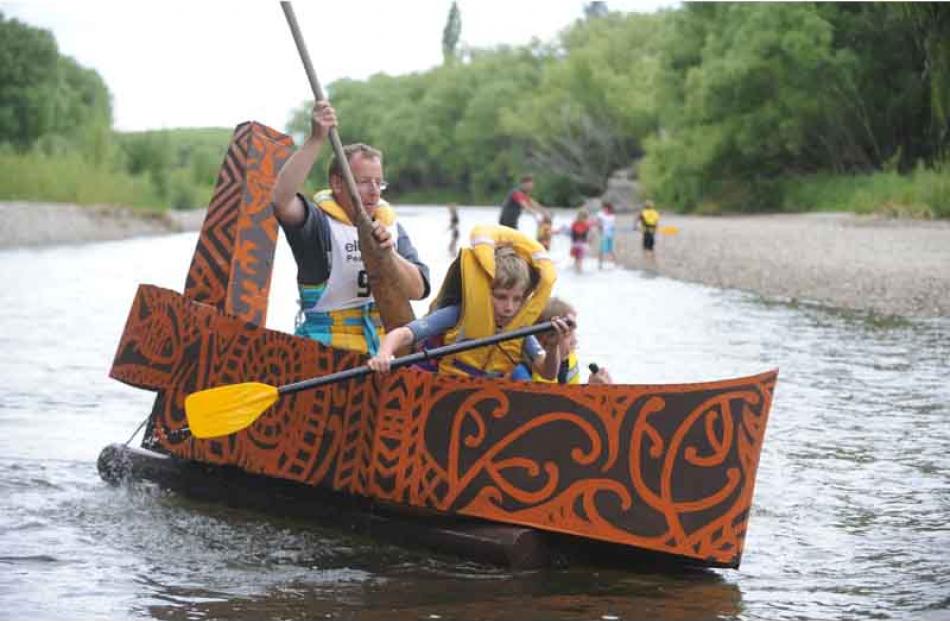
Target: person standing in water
(648, 221)
(580, 229)
(545, 230)
(453, 229)
(518, 200)
(605, 222)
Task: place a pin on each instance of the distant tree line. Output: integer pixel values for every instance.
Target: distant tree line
(717, 105)
(720, 106)
(57, 115)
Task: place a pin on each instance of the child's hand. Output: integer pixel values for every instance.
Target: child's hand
(602, 376)
(564, 326)
(381, 362)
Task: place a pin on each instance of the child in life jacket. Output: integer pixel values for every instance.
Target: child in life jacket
(499, 284)
(545, 230)
(580, 229)
(569, 371)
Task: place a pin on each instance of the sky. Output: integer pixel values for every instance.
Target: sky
(216, 63)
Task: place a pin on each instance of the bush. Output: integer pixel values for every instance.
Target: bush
(924, 193)
(69, 178)
(933, 188)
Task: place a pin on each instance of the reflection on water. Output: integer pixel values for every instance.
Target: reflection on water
(849, 518)
(447, 594)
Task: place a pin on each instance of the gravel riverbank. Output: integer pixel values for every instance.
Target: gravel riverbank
(885, 266)
(863, 263)
(37, 224)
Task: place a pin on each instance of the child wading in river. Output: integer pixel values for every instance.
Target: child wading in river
(580, 229)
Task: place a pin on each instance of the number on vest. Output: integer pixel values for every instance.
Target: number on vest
(362, 284)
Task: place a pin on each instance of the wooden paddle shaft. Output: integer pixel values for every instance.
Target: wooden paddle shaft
(422, 356)
(392, 301)
(319, 94)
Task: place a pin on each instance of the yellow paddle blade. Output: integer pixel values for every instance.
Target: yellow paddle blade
(226, 409)
(669, 230)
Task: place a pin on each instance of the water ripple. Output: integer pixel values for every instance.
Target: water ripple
(849, 518)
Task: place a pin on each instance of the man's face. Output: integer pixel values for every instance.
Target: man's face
(527, 186)
(368, 173)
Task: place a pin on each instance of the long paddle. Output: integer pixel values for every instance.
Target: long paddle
(226, 409)
(393, 304)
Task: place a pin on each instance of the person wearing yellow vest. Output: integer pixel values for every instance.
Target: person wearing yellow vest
(648, 220)
(569, 371)
(336, 304)
(501, 283)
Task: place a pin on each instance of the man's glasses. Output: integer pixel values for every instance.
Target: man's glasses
(371, 183)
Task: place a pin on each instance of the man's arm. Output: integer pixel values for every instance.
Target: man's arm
(533, 206)
(413, 273)
(411, 280)
(288, 208)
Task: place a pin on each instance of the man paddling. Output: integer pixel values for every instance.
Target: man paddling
(336, 305)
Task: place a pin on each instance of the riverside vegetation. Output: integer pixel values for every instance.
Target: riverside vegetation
(728, 107)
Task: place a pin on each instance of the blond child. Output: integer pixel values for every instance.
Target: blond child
(471, 300)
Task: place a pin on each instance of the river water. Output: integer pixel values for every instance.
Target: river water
(851, 515)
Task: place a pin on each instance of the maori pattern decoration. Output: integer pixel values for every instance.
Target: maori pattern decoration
(232, 264)
(667, 468)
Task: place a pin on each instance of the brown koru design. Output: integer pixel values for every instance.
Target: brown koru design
(665, 468)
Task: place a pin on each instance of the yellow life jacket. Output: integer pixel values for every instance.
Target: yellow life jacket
(650, 217)
(323, 199)
(477, 319)
(573, 372)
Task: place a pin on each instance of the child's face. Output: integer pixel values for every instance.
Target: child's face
(506, 303)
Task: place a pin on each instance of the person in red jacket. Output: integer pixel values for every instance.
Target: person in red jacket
(580, 229)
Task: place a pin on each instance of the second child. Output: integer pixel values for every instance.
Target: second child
(569, 372)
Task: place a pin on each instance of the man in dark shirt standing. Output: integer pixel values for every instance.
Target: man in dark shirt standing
(518, 199)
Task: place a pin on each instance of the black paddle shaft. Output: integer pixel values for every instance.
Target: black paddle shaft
(425, 354)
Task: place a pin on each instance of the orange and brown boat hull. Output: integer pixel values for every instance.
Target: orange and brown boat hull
(668, 468)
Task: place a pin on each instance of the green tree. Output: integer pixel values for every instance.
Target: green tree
(29, 63)
(742, 107)
(750, 94)
(450, 34)
(595, 104)
(45, 94)
(440, 130)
